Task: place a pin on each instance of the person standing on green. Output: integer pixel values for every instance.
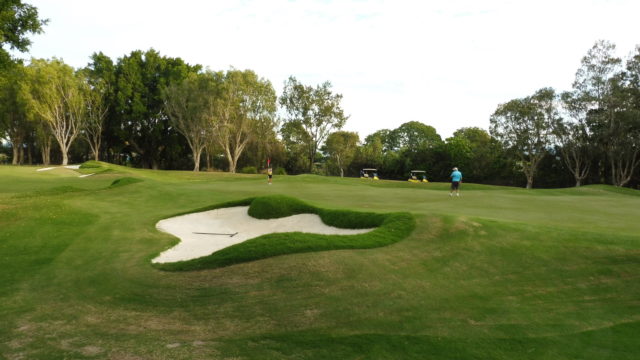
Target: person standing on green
(456, 179)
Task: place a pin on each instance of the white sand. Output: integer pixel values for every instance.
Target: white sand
(72, 167)
(86, 175)
(230, 221)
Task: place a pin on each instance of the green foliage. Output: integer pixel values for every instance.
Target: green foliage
(390, 228)
(341, 147)
(249, 170)
(280, 171)
(312, 113)
(140, 78)
(525, 126)
(17, 21)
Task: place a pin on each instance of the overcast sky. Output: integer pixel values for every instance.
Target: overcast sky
(447, 64)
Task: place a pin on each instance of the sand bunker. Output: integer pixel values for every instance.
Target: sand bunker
(196, 230)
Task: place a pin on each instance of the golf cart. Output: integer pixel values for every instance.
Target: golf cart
(369, 174)
(418, 176)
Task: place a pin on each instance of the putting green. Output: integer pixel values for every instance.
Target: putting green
(498, 273)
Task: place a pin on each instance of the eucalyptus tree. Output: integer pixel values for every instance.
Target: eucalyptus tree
(317, 111)
(14, 112)
(190, 107)
(245, 103)
(100, 74)
(96, 107)
(17, 21)
(574, 136)
(605, 90)
(524, 126)
(341, 146)
(57, 97)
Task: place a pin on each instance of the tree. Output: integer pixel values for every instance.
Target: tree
(95, 92)
(17, 21)
(245, 103)
(317, 110)
(524, 126)
(416, 135)
(574, 137)
(189, 105)
(56, 94)
(341, 147)
(14, 122)
(101, 75)
(608, 94)
(141, 120)
(476, 153)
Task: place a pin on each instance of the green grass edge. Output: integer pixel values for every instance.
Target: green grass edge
(390, 228)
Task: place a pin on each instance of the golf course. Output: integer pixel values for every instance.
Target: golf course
(497, 273)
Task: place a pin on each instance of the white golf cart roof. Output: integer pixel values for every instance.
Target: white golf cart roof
(369, 169)
(417, 171)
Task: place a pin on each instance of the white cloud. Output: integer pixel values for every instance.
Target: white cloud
(445, 63)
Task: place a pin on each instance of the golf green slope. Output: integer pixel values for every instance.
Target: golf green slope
(499, 273)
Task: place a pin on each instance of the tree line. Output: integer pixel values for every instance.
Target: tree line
(152, 111)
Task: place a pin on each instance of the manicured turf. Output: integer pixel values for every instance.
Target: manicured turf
(499, 273)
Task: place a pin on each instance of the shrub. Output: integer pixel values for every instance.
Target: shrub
(4, 158)
(249, 170)
(280, 171)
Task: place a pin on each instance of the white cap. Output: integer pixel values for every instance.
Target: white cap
(455, 168)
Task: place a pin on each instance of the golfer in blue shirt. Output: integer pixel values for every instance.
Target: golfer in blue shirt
(456, 179)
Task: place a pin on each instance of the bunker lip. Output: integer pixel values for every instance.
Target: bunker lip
(204, 233)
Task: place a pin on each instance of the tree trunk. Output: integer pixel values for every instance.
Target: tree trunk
(21, 156)
(16, 155)
(341, 173)
(196, 160)
(46, 153)
(29, 154)
(529, 182)
(65, 157)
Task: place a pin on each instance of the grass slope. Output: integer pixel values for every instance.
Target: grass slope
(498, 273)
(390, 228)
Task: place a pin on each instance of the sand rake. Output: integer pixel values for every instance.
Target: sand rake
(207, 233)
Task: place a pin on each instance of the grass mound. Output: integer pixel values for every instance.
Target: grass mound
(390, 228)
(91, 164)
(127, 180)
(277, 206)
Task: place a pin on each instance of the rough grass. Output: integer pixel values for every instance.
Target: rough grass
(390, 228)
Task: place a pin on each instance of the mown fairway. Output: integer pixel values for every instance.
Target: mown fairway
(498, 273)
